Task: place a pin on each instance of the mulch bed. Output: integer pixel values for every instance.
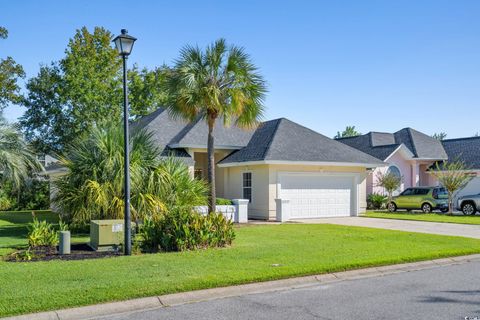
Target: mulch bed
(78, 252)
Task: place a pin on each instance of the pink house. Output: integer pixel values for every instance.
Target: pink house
(410, 153)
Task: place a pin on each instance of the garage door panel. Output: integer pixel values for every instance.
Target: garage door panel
(314, 196)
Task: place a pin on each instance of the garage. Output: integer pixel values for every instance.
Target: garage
(314, 195)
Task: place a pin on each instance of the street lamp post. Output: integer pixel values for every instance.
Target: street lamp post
(124, 45)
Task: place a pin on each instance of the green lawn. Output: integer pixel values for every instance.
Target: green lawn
(300, 249)
(431, 217)
(13, 228)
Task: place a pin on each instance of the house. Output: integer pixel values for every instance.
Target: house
(316, 175)
(410, 154)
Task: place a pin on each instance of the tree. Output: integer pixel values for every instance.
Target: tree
(453, 176)
(146, 90)
(10, 72)
(83, 90)
(348, 132)
(439, 136)
(389, 181)
(17, 160)
(220, 82)
(93, 186)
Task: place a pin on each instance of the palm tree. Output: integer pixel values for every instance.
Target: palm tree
(220, 82)
(17, 159)
(93, 186)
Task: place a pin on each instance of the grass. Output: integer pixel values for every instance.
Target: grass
(13, 228)
(419, 216)
(300, 249)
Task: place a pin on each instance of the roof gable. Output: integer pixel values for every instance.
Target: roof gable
(381, 145)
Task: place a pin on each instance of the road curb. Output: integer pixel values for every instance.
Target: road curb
(100, 310)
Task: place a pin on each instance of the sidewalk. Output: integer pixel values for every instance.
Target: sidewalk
(94, 311)
(440, 228)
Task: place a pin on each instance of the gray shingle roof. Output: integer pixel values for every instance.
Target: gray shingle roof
(464, 149)
(381, 145)
(197, 133)
(164, 129)
(284, 140)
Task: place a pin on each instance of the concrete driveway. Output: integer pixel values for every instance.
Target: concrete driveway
(448, 229)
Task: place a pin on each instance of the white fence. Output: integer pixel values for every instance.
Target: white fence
(238, 212)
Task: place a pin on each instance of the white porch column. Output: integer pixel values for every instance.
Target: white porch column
(282, 210)
(241, 210)
(415, 174)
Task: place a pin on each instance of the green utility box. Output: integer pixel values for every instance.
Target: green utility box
(106, 235)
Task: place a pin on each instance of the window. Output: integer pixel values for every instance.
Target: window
(247, 186)
(41, 159)
(421, 192)
(394, 170)
(408, 192)
(198, 173)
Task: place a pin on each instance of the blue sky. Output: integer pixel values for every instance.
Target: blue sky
(378, 65)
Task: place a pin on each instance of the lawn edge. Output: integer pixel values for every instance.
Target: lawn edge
(175, 299)
(450, 222)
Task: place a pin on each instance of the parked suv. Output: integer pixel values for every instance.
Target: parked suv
(469, 204)
(423, 198)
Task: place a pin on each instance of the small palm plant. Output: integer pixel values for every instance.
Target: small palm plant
(93, 186)
(220, 82)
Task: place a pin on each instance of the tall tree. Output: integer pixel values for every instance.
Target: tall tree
(10, 72)
(219, 82)
(348, 132)
(83, 90)
(439, 136)
(146, 89)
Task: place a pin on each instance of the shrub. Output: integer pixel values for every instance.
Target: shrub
(42, 234)
(376, 201)
(93, 185)
(224, 202)
(183, 229)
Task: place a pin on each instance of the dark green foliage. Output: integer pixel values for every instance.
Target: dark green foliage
(10, 72)
(84, 89)
(224, 202)
(33, 194)
(376, 201)
(183, 229)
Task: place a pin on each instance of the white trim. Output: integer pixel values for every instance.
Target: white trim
(404, 148)
(199, 146)
(302, 163)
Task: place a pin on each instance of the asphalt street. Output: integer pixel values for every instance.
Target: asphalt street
(446, 292)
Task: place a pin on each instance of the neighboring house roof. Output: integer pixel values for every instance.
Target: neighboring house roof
(464, 149)
(284, 140)
(382, 144)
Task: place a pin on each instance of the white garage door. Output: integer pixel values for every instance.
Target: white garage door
(317, 196)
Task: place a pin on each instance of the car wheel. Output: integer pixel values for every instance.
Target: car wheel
(426, 208)
(392, 207)
(468, 209)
